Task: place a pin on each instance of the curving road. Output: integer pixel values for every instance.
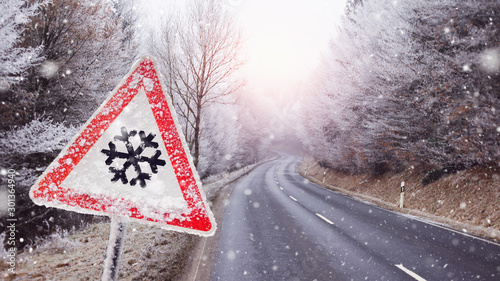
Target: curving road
(279, 226)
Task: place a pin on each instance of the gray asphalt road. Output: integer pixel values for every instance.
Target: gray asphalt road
(279, 226)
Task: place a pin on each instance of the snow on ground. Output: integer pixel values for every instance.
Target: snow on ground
(149, 253)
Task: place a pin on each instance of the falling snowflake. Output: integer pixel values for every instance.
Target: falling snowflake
(133, 157)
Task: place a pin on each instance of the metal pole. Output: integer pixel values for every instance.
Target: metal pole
(117, 233)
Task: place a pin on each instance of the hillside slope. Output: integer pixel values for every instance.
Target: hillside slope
(467, 200)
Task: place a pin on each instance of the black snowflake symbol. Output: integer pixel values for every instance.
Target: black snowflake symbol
(133, 157)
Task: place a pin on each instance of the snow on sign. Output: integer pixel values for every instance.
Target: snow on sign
(130, 160)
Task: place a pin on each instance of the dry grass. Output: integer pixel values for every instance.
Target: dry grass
(149, 254)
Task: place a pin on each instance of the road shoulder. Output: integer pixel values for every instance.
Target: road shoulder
(201, 257)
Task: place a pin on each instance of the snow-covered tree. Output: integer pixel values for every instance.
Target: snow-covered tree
(457, 94)
(127, 12)
(366, 63)
(15, 59)
(255, 118)
(408, 82)
(86, 53)
(202, 55)
(219, 140)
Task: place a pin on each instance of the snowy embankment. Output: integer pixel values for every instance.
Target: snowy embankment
(150, 253)
(466, 200)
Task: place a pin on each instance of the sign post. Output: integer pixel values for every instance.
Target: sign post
(402, 195)
(129, 162)
(114, 249)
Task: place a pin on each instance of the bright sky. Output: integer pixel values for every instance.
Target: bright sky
(284, 38)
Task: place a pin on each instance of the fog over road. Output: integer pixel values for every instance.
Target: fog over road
(279, 226)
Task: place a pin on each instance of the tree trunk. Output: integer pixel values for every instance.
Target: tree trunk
(196, 137)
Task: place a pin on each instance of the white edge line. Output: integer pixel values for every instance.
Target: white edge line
(409, 272)
(199, 262)
(436, 224)
(325, 219)
(414, 217)
(293, 198)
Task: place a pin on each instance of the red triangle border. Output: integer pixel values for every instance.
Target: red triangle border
(48, 190)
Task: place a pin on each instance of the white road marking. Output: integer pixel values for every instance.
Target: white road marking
(291, 197)
(199, 262)
(436, 224)
(325, 219)
(281, 188)
(409, 272)
(420, 219)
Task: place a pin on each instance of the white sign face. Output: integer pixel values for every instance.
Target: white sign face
(121, 178)
(130, 159)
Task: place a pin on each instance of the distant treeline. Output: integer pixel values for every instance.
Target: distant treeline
(408, 83)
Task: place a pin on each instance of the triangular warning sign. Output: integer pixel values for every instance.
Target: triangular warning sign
(130, 160)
